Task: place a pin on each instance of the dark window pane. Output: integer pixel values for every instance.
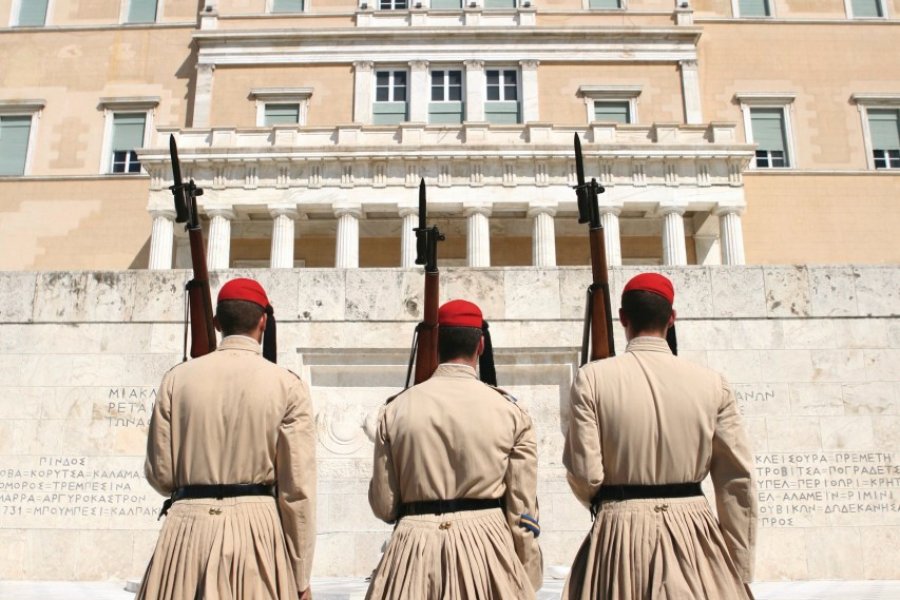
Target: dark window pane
(455, 77)
(493, 92)
(400, 78)
(762, 158)
(437, 78)
(134, 166)
(509, 78)
(382, 94)
(455, 93)
(437, 93)
(493, 78)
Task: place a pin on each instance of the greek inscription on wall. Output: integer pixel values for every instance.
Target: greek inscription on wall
(804, 489)
(129, 406)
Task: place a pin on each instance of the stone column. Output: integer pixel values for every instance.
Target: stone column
(203, 95)
(476, 90)
(732, 236)
(690, 85)
(282, 253)
(346, 252)
(529, 100)
(419, 91)
(612, 239)
(543, 236)
(478, 240)
(363, 91)
(674, 250)
(410, 216)
(218, 251)
(162, 239)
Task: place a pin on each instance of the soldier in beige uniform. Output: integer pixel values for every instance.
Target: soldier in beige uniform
(456, 470)
(645, 429)
(227, 430)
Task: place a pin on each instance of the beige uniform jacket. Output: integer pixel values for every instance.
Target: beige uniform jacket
(234, 417)
(648, 417)
(455, 437)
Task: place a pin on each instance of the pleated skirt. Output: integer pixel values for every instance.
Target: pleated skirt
(457, 556)
(662, 549)
(230, 549)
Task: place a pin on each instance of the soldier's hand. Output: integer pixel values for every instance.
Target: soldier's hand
(306, 594)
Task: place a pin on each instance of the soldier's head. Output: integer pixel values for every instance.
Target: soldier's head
(463, 337)
(242, 308)
(647, 306)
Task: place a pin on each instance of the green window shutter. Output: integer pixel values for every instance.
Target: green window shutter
(754, 8)
(445, 113)
(389, 113)
(884, 126)
(128, 131)
(604, 4)
(616, 112)
(33, 13)
(287, 6)
(867, 8)
(502, 113)
(768, 128)
(499, 3)
(446, 4)
(14, 132)
(141, 11)
(277, 114)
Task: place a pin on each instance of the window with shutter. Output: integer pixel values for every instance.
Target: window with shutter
(754, 8)
(390, 98)
(446, 4)
(127, 136)
(287, 6)
(502, 106)
(863, 9)
(14, 133)
(769, 136)
(605, 4)
(499, 3)
(884, 128)
(32, 13)
(446, 106)
(614, 112)
(281, 114)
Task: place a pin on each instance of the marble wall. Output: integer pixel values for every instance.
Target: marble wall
(813, 353)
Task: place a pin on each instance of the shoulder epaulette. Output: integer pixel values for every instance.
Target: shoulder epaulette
(504, 393)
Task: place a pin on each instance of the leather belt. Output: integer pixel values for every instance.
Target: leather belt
(217, 491)
(438, 507)
(637, 492)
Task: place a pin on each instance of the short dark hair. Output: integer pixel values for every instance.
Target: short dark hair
(238, 317)
(646, 311)
(457, 342)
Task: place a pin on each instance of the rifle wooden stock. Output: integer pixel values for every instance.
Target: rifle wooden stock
(203, 332)
(426, 348)
(600, 311)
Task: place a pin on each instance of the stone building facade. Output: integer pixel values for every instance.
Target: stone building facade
(724, 131)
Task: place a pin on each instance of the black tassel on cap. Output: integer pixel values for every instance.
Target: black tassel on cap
(672, 340)
(486, 360)
(270, 346)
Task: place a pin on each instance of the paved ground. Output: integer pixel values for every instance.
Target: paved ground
(353, 589)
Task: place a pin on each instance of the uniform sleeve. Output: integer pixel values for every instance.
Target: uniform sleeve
(384, 489)
(158, 467)
(295, 464)
(520, 501)
(732, 474)
(582, 454)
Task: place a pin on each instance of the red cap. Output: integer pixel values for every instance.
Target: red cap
(460, 313)
(653, 283)
(244, 289)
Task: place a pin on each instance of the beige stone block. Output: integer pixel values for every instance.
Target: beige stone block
(573, 285)
(811, 334)
(484, 287)
(886, 433)
(879, 562)
(17, 292)
(13, 553)
(559, 547)
(60, 296)
(69, 404)
(75, 338)
(793, 434)
(876, 398)
(816, 399)
(833, 292)
(705, 335)
(878, 291)
(344, 512)
(757, 433)
(759, 399)
(52, 554)
(24, 437)
(738, 366)
(532, 293)
(22, 402)
(738, 291)
(847, 433)
(882, 365)
(382, 295)
(159, 296)
(893, 334)
(281, 286)
(861, 333)
(168, 338)
(109, 555)
(781, 554)
(144, 543)
(109, 296)
(786, 366)
(834, 553)
(787, 291)
(321, 295)
(838, 365)
(693, 291)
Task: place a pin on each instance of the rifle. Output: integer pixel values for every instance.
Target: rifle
(198, 300)
(424, 347)
(598, 330)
